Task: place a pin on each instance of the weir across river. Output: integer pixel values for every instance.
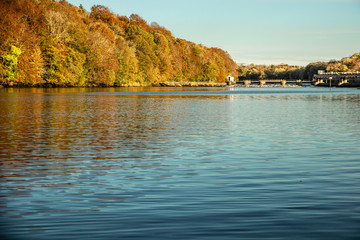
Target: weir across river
(273, 82)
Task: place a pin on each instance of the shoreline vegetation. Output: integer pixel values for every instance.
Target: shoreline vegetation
(47, 43)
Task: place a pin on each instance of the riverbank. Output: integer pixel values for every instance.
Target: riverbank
(161, 84)
(191, 84)
(167, 84)
(209, 84)
(270, 86)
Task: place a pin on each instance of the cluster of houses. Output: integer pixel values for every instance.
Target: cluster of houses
(322, 78)
(336, 79)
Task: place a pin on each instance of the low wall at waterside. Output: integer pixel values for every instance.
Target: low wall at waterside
(191, 84)
(266, 82)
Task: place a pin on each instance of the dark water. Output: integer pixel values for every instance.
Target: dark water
(274, 163)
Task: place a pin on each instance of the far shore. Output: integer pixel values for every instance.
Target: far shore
(209, 84)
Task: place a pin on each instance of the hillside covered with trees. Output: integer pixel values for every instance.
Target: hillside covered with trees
(53, 43)
(287, 72)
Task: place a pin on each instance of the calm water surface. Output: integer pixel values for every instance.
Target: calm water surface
(243, 163)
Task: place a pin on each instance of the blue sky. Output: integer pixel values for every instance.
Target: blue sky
(255, 31)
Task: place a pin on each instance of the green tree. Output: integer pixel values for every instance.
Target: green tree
(210, 73)
(82, 8)
(128, 64)
(313, 68)
(10, 60)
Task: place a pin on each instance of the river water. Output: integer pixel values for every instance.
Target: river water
(164, 163)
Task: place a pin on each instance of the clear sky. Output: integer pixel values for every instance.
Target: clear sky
(255, 31)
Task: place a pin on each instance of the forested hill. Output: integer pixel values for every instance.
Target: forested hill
(53, 43)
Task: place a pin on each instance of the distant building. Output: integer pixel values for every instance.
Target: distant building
(336, 79)
(230, 78)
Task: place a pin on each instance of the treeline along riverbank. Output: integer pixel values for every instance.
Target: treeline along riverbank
(53, 43)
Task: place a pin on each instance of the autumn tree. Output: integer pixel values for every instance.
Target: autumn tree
(99, 12)
(128, 71)
(19, 43)
(102, 62)
(57, 24)
(162, 51)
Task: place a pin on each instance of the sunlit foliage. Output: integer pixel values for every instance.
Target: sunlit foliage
(53, 43)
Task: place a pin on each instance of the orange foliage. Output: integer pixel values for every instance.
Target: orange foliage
(63, 45)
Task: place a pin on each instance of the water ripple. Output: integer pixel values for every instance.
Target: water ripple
(165, 164)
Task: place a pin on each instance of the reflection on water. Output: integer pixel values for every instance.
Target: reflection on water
(167, 163)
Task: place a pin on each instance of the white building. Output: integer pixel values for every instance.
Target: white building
(230, 78)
